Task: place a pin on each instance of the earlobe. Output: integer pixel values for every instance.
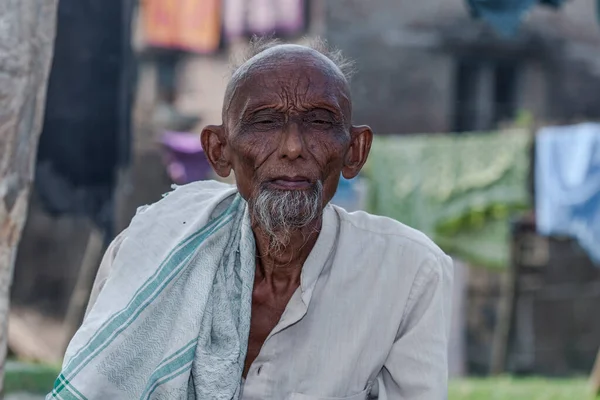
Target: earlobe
(215, 149)
(357, 154)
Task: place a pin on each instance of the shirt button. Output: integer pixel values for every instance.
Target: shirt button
(259, 369)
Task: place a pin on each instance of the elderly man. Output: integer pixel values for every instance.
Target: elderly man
(264, 290)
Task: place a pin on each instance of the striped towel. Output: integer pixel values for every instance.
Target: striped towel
(173, 318)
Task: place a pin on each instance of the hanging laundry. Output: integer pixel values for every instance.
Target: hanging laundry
(86, 132)
(505, 15)
(567, 184)
(264, 17)
(190, 25)
(458, 189)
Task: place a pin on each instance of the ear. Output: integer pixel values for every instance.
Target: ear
(214, 144)
(356, 156)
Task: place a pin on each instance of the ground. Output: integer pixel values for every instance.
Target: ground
(519, 389)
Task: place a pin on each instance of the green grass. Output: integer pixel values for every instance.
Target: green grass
(507, 388)
(32, 378)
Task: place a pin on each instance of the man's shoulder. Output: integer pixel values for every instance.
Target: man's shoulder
(205, 189)
(390, 231)
(191, 195)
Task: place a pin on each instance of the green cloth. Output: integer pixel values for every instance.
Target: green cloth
(460, 190)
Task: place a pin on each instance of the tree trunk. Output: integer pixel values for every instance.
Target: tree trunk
(27, 29)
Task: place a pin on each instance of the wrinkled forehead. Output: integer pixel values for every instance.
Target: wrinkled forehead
(293, 82)
(298, 77)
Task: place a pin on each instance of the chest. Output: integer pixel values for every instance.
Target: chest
(331, 338)
(327, 346)
(267, 310)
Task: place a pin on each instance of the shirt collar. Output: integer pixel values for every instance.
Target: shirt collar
(320, 254)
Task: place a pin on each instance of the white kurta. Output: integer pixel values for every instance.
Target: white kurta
(370, 319)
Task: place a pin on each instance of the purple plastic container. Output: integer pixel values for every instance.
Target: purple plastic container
(184, 157)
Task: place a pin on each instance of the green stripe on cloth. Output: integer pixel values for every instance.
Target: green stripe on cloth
(71, 392)
(123, 319)
(144, 296)
(171, 370)
(184, 245)
(176, 354)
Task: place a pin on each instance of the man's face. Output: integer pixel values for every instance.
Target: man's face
(288, 128)
(287, 136)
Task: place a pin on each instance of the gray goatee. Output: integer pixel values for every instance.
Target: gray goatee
(281, 212)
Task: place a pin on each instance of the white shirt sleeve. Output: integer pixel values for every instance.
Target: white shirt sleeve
(417, 365)
(104, 270)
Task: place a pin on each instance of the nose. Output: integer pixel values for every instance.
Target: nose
(291, 142)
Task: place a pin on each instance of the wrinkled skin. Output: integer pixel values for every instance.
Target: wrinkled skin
(286, 124)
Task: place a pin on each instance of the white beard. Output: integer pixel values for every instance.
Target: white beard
(280, 212)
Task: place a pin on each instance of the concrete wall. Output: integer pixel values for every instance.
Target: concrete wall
(406, 55)
(401, 85)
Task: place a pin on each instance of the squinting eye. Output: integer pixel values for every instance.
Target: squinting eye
(265, 122)
(320, 122)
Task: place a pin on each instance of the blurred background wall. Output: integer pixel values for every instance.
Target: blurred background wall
(439, 70)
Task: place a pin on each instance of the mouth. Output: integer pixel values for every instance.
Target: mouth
(291, 183)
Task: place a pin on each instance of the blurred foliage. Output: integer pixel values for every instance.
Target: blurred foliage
(476, 218)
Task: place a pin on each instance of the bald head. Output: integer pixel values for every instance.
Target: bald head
(314, 60)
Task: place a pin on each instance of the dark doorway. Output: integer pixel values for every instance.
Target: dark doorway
(485, 93)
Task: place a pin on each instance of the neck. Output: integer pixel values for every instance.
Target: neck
(286, 263)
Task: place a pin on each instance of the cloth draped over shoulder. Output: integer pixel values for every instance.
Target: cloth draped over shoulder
(172, 320)
(458, 189)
